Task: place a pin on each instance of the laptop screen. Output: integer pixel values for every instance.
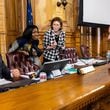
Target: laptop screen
(54, 65)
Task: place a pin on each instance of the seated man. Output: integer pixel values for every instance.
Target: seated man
(13, 74)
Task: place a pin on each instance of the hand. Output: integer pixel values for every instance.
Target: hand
(34, 53)
(15, 74)
(63, 47)
(54, 44)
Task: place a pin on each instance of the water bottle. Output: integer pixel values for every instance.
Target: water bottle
(108, 56)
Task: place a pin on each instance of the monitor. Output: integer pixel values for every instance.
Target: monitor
(94, 12)
(48, 67)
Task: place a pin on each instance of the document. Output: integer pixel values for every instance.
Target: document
(80, 63)
(4, 81)
(93, 61)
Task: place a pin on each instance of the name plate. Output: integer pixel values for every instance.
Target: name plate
(87, 69)
(56, 73)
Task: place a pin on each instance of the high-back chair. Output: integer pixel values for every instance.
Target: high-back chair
(20, 61)
(69, 53)
(85, 51)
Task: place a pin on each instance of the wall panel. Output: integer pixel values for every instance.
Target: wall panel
(13, 22)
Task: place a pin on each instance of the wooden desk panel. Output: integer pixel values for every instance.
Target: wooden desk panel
(65, 93)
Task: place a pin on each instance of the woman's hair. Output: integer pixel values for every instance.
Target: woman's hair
(28, 31)
(56, 19)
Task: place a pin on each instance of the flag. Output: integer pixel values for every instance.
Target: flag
(29, 13)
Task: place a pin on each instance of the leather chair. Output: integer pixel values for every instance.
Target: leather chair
(85, 51)
(20, 61)
(69, 53)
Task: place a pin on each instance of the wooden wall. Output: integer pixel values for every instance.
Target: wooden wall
(2, 27)
(13, 22)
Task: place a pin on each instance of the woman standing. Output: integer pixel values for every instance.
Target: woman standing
(53, 40)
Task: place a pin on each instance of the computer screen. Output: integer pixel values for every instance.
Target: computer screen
(54, 65)
(94, 12)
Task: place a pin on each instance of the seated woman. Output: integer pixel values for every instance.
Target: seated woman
(28, 44)
(13, 74)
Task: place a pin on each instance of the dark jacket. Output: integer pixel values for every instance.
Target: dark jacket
(22, 44)
(4, 71)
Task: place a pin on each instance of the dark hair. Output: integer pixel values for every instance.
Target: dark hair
(28, 31)
(56, 19)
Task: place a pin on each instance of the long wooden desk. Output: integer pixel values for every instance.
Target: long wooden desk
(70, 92)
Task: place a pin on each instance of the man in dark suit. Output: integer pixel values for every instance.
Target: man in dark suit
(8, 74)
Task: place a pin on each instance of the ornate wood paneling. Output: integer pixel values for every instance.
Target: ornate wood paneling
(2, 17)
(11, 16)
(2, 29)
(13, 22)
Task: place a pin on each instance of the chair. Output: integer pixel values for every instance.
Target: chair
(20, 61)
(69, 53)
(85, 51)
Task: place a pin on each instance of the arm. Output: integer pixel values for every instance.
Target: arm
(48, 42)
(35, 50)
(6, 73)
(61, 43)
(18, 43)
(13, 47)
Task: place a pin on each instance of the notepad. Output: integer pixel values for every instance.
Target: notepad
(4, 81)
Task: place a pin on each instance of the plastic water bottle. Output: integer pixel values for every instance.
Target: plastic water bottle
(108, 56)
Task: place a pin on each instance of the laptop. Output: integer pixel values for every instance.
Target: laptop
(48, 67)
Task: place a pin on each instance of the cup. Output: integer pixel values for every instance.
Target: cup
(43, 77)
